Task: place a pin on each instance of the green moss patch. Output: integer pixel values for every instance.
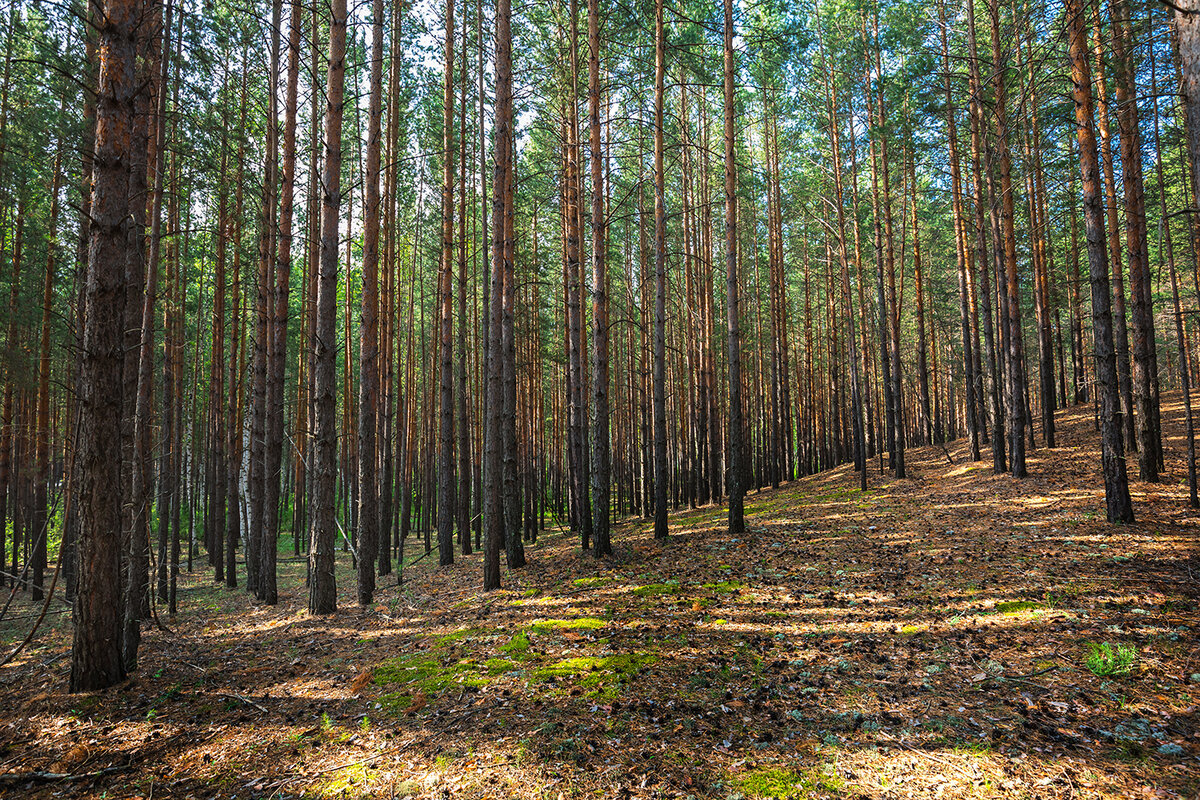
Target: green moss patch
(517, 646)
(1017, 606)
(457, 636)
(577, 624)
(602, 674)
(596, 580)
(356, 780)
(498, 666)
(784, 784)
(653, 589)
(724, 587)
(420, 672)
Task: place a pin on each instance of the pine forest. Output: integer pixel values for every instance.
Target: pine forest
(637, 400)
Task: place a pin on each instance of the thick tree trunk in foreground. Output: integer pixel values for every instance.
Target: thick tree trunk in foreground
(96, 661)
(268, 590)
(1187, 23)
(1015, 383)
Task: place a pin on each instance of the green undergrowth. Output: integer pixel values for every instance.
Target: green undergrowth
(517, 646)
(457, 636)
(1017, 606)
(425, 674)
(654, 589)
(498, 666)
(723, 587)
(356, 780)
(1109, 660)
(775, 783)
(603, 675)
(577, 624)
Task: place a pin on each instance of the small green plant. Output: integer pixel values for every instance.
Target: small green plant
(518, 645)
(578, 624)
(364, 725)
(1106, 660)
(1017, 606)
(325, 723)
(652, 589)
(786, 784)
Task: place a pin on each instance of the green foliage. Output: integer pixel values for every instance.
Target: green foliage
(1018, 606)
(457, 636)
(518, 645)
(777, 783)
(602, 674)
(420, 672)
(1109, 660)
(577, 624)
(498, 666)
(652, 589)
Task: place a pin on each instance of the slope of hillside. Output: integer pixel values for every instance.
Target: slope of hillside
(955, 634)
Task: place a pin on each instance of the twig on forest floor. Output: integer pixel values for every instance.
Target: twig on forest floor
(50, 777)
(971, 776)
(375, 756)
(244, 700)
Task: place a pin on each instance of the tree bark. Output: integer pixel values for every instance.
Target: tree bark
(1116, 484)
(322, 594)
(600, 444)
(96, 661)
(368, 389)
(736, 467)
(660, 282)
(1140, 290)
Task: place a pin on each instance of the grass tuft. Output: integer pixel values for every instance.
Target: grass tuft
(1109, 660)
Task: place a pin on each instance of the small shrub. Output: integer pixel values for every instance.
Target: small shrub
(1108, 660)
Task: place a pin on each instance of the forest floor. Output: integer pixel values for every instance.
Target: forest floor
(952, 635)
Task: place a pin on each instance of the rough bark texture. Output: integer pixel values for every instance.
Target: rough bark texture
(660, 284)
(1142, 316)
(493, 510)
(322, 589)
(446, 485)
(96, 661)
(1116, 483)
(368, 375)
(268, 591)
(735, 468)
(601, 454)
(1015, 384)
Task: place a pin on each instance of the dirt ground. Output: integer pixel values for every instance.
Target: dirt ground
(952, 635)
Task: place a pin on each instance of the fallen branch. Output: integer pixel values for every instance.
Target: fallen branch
(39, 776)
(239, 698)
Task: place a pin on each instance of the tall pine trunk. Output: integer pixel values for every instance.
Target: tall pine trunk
(1116, 483)
(322, 592)
(96, 661)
